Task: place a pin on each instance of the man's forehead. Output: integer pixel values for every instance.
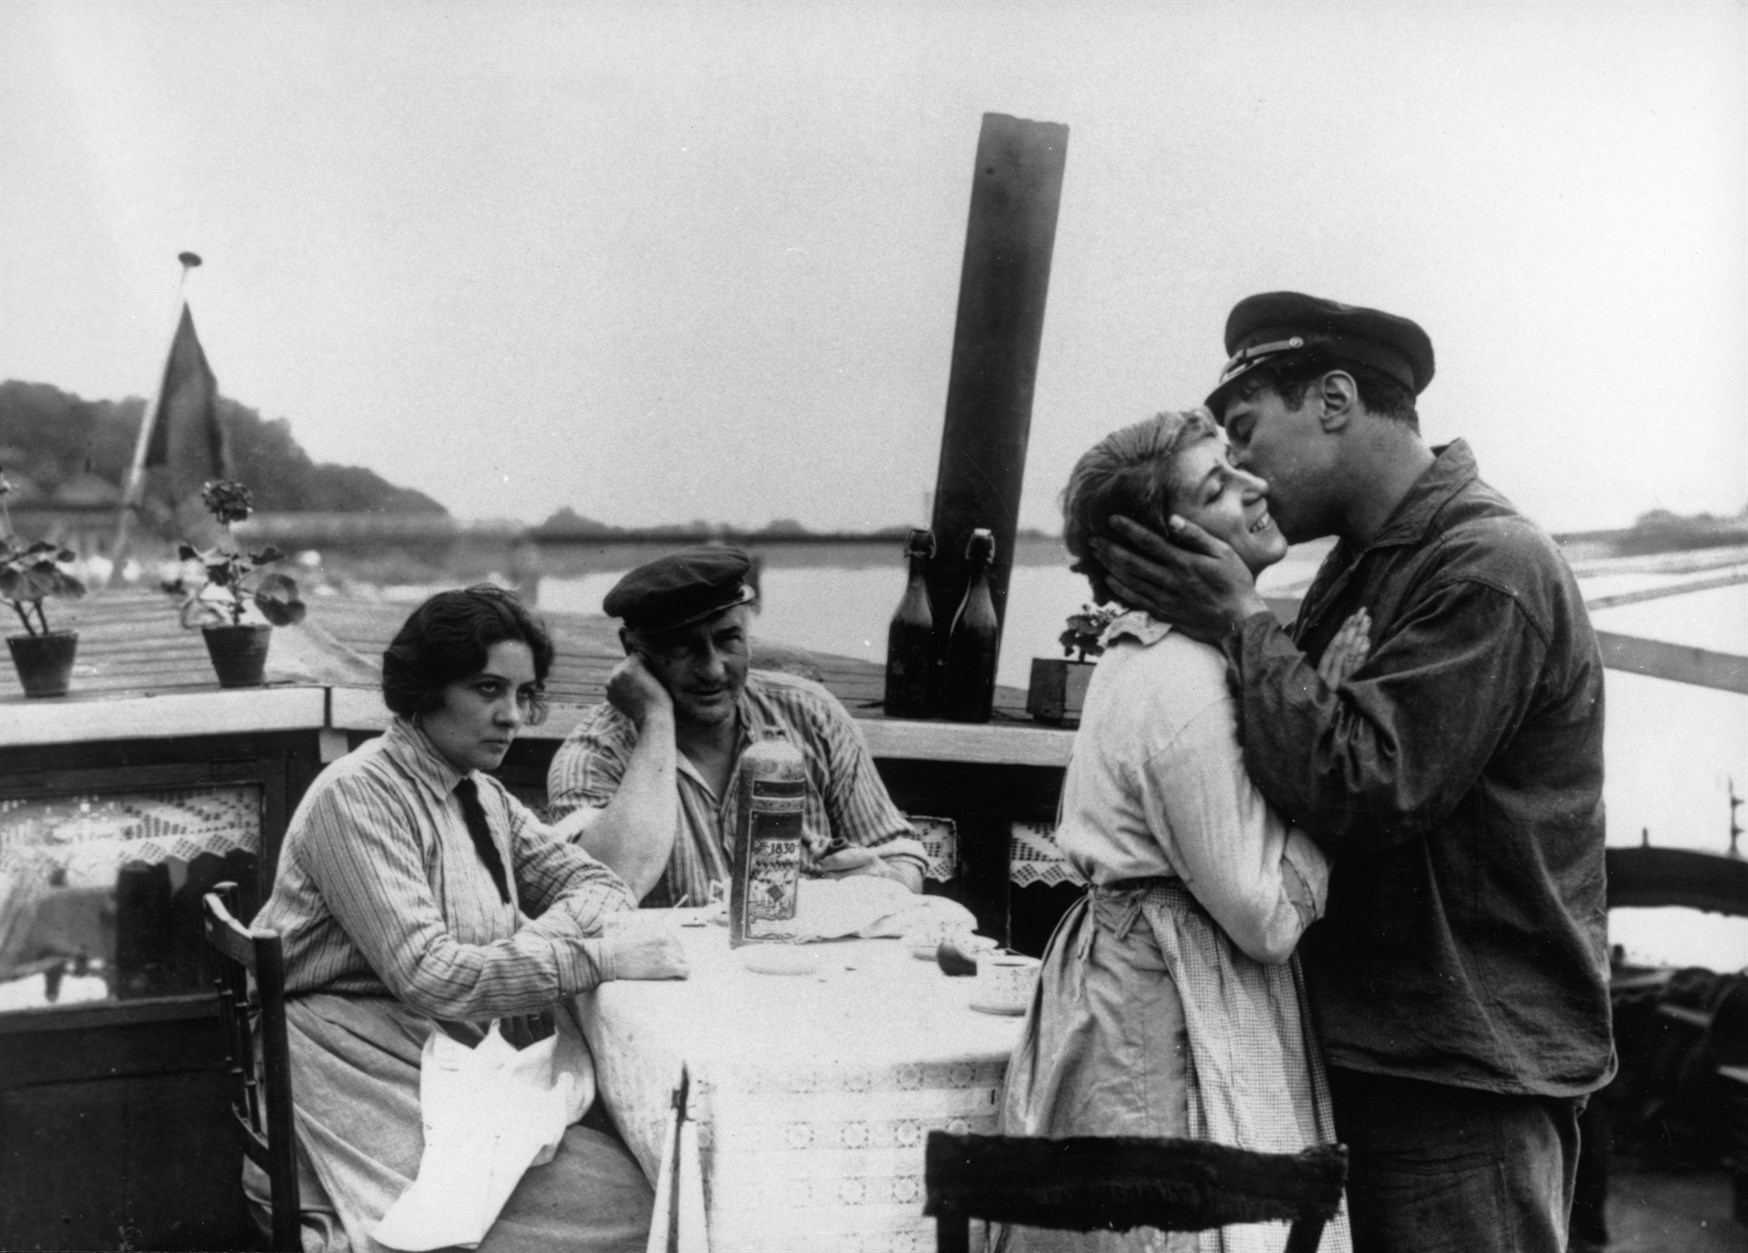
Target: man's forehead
(1247, 400)
(730, 619)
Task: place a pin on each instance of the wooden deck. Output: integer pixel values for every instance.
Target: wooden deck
(133, 653)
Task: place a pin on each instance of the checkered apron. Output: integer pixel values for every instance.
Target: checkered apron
(1256, 1076)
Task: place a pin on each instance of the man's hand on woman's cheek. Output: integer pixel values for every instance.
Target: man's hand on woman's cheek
(1193, 580)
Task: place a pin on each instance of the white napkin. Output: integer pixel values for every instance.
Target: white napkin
(489, 1113)
(870, 906)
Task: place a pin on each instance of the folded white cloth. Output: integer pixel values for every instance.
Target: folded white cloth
(489, 1114)
(870, 906)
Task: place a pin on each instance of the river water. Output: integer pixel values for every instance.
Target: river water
(1671, 749)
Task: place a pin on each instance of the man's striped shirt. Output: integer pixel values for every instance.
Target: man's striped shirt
(846, 798)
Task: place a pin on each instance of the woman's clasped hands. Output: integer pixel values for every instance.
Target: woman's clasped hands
(1347, 650)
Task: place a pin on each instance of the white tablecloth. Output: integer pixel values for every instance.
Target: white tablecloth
(813, 1093)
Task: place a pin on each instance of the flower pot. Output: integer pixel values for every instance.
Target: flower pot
(239, 652)
(1058, 690)
(44, 662)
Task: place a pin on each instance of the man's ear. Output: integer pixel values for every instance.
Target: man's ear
(625, 641)
(1340, 397)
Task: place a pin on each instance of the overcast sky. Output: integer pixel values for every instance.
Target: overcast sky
(670, 261)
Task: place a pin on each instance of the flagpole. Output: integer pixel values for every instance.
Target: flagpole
(133, 491)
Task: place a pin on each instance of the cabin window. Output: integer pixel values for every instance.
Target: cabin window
(100, 890)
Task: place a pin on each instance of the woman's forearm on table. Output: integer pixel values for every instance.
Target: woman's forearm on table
(372, 879)
(542, 962)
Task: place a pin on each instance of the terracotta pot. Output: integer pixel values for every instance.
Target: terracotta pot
(1058, 690)
(239, 652)
(44, 662)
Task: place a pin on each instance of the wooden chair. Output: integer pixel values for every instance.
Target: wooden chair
(1118, 1183)
(249, 977)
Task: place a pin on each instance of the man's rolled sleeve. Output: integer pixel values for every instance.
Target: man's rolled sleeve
(590, 765)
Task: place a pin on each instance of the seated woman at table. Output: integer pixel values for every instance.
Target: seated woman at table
(415, 894)
(1169, 1002)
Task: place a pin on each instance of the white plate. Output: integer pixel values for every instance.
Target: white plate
(1004, 1009)
(773, 959)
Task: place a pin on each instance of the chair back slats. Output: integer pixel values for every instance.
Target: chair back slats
(1118, 1183)
(249, 981)
(276, 1068)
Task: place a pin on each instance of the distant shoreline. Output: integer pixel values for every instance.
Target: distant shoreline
(1671, 536)
(415, 549)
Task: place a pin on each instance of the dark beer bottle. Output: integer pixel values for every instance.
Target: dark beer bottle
(910, 638)
(974, 643)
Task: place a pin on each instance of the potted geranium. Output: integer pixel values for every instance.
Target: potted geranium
(1058, 687)
(29, 575)
(235, 580)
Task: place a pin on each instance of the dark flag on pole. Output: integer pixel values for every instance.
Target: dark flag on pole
(181, 445)
(187, 438)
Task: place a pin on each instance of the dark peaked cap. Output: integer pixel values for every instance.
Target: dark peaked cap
(1263, 327)
(681, 588)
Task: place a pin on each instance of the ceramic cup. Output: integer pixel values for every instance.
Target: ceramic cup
(1004, 983)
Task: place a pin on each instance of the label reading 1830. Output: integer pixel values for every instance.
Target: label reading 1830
(773, 857)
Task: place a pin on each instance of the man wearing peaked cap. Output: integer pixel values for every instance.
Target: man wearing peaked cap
(680, 589)
(1275, 324)
(1460, 975)
(657, 759)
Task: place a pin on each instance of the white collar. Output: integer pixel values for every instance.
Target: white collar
(1138, 624)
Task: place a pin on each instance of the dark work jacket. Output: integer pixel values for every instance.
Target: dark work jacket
(1456, 782)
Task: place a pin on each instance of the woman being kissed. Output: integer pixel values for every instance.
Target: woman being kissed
(1170, 1002)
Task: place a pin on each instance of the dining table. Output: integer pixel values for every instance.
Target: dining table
(815, 1073)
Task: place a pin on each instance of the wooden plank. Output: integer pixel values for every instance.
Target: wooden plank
(995, 743)
(361, 709)
(149, 679)
(985, 743)
(214, 711)
(1082, 1183)
(1679, 663)
(1654, 877)
(1676, 589)
(1010, 236)
(69, 1043)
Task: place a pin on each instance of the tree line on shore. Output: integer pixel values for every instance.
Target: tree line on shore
(50, 439)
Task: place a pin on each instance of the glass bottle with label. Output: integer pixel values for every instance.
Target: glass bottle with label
(766, 870)
(974, 644)
(910, 641)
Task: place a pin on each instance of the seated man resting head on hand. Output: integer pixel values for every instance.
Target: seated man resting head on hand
(658, 759)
